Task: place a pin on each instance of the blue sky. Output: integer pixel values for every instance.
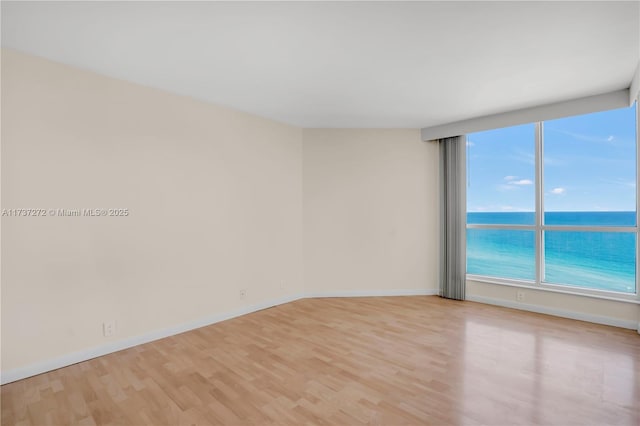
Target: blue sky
(589, 165)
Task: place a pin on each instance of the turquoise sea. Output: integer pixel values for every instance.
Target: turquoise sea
(599, 260)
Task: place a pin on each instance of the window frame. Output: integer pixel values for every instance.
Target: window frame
(540, 228)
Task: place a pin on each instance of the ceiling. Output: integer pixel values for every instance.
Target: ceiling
(344, 64)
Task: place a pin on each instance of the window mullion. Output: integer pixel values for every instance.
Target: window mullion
(539, 204)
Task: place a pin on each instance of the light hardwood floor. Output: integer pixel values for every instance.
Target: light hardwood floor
(386, 361)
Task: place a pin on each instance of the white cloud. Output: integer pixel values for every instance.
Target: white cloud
(525, 157)
(469, 143)
(621, 181)
(558, 191)
(498, 207)
(513, 180)
(584, 137)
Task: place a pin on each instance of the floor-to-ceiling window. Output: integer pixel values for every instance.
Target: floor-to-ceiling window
(553, 204)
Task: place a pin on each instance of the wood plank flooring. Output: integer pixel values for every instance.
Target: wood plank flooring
(350, 361)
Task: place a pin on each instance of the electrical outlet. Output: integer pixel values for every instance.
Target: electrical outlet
(282, 285)
(109, 328)
(243, 293)
(520, 296)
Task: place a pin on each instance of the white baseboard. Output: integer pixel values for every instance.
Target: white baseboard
(373, 293)
(87, 354)
(633, 325)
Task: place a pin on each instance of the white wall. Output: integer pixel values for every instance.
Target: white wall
(370, 212)
(215, 200)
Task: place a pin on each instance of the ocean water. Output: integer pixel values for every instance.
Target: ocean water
(599, 260)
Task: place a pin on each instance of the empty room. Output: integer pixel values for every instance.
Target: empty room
(320, 213)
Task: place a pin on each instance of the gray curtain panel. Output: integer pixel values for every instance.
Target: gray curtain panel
(453, 223)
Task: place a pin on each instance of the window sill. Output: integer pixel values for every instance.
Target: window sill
(631, 298)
